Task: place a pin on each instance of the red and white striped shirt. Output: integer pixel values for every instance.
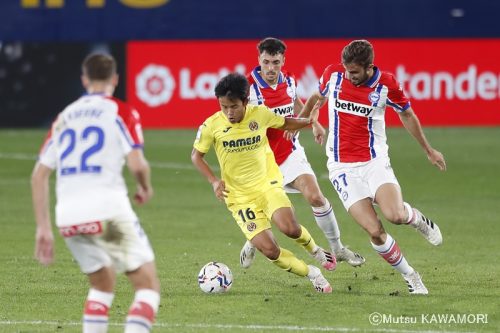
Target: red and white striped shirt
(357, 113)
(280, 99)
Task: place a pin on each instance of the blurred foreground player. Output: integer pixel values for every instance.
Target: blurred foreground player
(87, 147)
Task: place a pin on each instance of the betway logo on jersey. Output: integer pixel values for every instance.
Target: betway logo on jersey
(353, 108)
(284, 110)
(156, 84)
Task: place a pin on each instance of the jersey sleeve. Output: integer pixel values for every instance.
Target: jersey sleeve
(204, 138)
(396, 97)
(129, 124)
(48, 153)
(324, 81)
(292, 83)
(255, 94)
(293, 78)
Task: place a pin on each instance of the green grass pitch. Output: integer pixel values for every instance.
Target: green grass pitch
(188, 227)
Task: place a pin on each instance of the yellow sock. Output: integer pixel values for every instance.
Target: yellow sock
(305, 240)
(289, 262)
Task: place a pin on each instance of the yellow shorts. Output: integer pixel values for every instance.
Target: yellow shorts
(255, 215)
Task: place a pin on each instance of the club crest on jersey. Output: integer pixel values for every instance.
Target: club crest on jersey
(253, 126)
(251, 226)
(289, 92)
(374, 97)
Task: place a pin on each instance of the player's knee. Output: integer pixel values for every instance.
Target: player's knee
(316, 200)
(293, 230)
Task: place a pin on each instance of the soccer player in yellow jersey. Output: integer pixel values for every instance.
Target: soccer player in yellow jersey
(251, 183)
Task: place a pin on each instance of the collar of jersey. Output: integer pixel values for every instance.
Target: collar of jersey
(374, 79)
(260, 80)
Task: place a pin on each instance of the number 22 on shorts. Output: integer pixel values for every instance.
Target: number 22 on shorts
(340, 185)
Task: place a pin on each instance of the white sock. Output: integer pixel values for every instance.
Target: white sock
(325, 218)
(411, 214)
(95, 315)
(142, 312)
(392, 254)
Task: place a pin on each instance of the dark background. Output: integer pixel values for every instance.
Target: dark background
(41, 48)
(223, 19)
(37, 80)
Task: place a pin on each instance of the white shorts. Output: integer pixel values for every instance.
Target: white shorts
(360, 181)
(295, 165)
(120, 244)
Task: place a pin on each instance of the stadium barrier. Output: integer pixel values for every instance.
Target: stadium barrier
(450, 82)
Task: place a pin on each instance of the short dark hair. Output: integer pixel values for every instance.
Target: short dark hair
(358, 52)
(233, 86)
(272, 46)
(99, 67)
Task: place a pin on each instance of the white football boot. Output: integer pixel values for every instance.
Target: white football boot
(325, 258)
(427, 228)
(415, 284)
(318, 280)
(247, 255)
(352, 258)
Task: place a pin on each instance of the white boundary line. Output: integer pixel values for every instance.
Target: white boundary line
(18, 156)
(235, 326)
(159, 165)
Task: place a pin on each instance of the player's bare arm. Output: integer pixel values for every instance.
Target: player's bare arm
(318, 133)
(315, 102)
(139, 167)
(412, 125)
(218, 185)
(318, 129)
(297, 108)
(298, 123)
(298, 105)
(44, 239)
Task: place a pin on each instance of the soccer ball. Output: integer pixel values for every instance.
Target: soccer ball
(215, 277)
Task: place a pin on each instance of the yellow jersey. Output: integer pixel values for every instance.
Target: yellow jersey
(242, 150)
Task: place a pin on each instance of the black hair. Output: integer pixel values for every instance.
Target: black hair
(359, 52)
(99, 67)
(272, 46)
(233, 86)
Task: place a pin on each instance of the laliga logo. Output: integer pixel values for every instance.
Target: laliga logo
(155, 85)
